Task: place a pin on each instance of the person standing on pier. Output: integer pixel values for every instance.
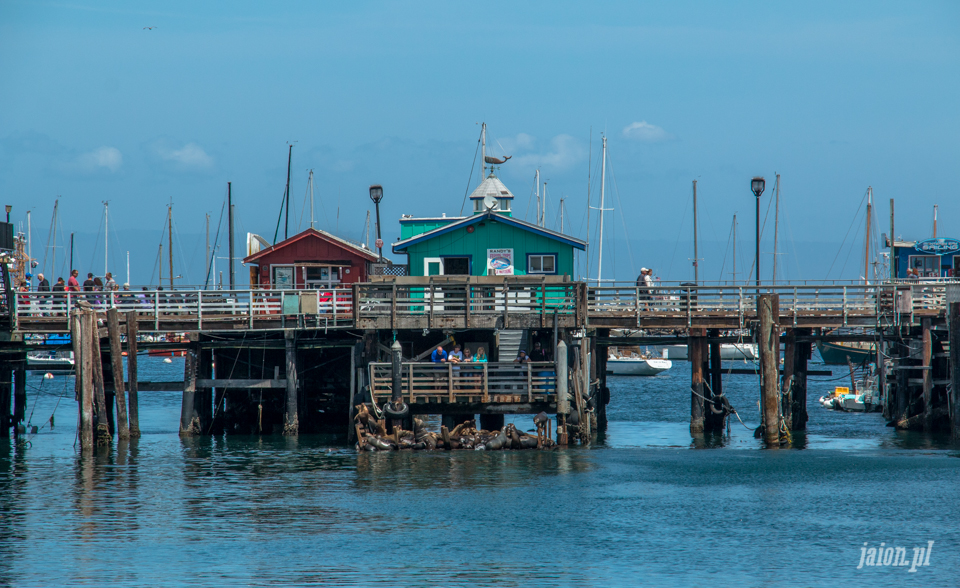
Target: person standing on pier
(58, 297)
(43, 285)
(645, 285)
(481, 356)
(88, 283)
(110, 284)
(73, 285)
(438, 355)
(538, 354)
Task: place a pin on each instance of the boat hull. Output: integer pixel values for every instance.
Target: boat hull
(837, 354)
(637, 367)
(728, 351)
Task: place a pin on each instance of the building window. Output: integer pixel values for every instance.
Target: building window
(925, 266)
(541, 264)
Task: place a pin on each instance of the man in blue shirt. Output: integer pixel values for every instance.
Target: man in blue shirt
(438, 355)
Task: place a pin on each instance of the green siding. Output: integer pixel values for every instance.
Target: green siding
(490, 235)
(414, 227)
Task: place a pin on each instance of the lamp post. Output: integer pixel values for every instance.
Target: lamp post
(756, 185)
(376, 194)
(8, 208)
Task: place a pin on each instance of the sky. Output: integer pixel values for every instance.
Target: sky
(834, 97)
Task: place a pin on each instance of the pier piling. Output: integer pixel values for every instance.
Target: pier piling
(99, 394)
(768, 307)
(291, 422)
(133, 408)
(927, 376)
(714, 422)
(953, 326)
(695, 353)
(189, 421)
(83, 323)
(116, 363)
(563, 401)
(6, 388)
(20, 397)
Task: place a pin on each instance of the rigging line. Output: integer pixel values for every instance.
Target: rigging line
(856, 216)
(473, 167)
(50, 233)
(216, 241)
(66, 259)
(726, 248)
(163, 232)
(623, 221)
(183, 260)
(530, 199)
(94, 254)
(283, 200)
(676, 246)
(762, 228)
(303, 209)
(850, 251)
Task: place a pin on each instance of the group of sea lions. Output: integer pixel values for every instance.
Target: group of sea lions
(372, 435)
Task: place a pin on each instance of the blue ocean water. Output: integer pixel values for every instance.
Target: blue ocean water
(642, 507)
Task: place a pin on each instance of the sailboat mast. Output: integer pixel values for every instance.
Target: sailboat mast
(286, 222)
(170, 240)
(483, 150)
(603, 185)
(696, 266)
(56, 205)
(128, 267)
(537, 182)
(543, 209)
(29, 237)
(310, 182)
(106, 231)
(776, 229)
(934, 221)
(866, 245)
(206, 260)
(734, 248)
(561, 213)
(230, 230)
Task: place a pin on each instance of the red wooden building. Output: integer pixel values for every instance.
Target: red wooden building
(312, 259)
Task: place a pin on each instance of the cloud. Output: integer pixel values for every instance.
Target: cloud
(564, 152)
(511, 145)
(173, 156)
(190, 155)
(101, 158)
(644, 131)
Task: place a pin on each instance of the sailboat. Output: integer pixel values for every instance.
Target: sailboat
(617, 364)
(861, 352)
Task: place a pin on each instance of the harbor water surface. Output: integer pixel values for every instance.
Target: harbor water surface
(644, 506)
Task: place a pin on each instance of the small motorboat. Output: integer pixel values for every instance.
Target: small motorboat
(44, 360)
(728, 351)
(636, 365)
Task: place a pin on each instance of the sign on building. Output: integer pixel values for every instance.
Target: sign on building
(499, 262)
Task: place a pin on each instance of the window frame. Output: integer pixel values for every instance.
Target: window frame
(530, 257)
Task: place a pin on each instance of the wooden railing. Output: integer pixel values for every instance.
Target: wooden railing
(460, 302)
(499, 382)
(469, 302)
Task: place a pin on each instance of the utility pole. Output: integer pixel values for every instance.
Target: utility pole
(230, 228)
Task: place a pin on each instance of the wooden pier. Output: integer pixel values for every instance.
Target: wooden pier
(299, 361)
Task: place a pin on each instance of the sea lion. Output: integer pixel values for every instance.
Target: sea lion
(498, 442)
(380, 444)
(462, 427)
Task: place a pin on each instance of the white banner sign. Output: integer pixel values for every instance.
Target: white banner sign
(499, 262)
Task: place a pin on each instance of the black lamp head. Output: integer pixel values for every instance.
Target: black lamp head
(757, 184)
(376, 193)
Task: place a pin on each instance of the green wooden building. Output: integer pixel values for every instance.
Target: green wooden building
(487, 243)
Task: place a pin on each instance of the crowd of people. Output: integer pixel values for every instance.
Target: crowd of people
(458, 355)
(72, 284)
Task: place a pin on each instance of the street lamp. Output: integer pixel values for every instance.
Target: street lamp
(8, 208)
(376, 194)
(757, 185)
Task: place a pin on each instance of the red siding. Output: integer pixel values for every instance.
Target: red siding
(312, 249)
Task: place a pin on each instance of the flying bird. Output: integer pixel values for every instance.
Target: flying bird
(149, 28)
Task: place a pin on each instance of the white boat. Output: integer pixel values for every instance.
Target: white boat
(728, 351)
(50, 360)
(634, 365)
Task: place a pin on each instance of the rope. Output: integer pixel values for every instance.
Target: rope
(733, 411)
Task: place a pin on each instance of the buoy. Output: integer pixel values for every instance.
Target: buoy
(167, 360)
(48, 376)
